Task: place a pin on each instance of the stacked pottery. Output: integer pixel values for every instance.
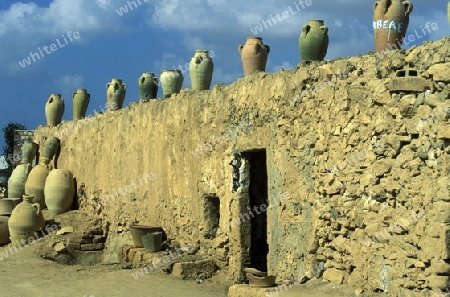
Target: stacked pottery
(313, 41)
(115, 93)
(201, 70)
(16, 182)
(254, 55)
(171, 82)
(50, 148)
(80, 102)
(390, 21)
(29, 150)
(59, 191)
(148, 86)
(54, 109)
(6, 207)
(24, 220)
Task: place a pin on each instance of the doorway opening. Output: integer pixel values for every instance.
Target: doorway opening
(257, 208)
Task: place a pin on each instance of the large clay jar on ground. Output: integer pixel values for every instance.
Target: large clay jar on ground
(80, 102)
(390, 21)
(115, 94)
(201, 70)
(35, 183)
(59, 190)
(254, 55)
(24, 218)
(148, 86)
(313, 41)
(29, 150)
(54, 109)
(4, 230)
(16, 182)
(171, 82)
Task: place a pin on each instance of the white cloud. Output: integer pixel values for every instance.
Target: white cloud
(68, 83)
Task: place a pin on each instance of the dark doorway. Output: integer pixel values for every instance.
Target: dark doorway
(258, 193)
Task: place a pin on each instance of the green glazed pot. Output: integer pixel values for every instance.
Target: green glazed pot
(59, 191)
(201, 70)
(29, 150)
(148, 86)
(54, 109)
(80, 102)
(313, 41)
(115, 93)
(390, 21)
(253, 55)
(171, 82)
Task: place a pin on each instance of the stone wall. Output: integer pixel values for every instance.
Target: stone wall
(357, 177)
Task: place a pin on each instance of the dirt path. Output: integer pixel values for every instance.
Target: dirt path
(23, 274)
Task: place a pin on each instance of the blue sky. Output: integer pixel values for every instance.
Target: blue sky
(152, 37)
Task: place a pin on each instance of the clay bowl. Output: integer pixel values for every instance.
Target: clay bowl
(7, 205)
(261, 281)
(254, 271)
(139, 230)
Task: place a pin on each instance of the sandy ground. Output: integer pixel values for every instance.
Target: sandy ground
(24, 274)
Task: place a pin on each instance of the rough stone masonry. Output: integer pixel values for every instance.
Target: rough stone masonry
(379, 223)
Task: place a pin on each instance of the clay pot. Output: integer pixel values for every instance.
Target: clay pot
(58, 191)
(137, 231)
(4, 230)
(54, 109)
(201, 70)
(16, 182)
(253, 55)
(152, 241)
(171, 82)
(29, 150)
(115, 94)
(148, 86)
(313, 41)
(50, 149)
(35, 183)
(390, 22)
(24, 218)
(7, 205)
(261, 281)
(80, 102)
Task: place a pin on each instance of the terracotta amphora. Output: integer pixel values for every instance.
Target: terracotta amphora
(313, 41)
(171, 82)
(148, 86)
(54, 109)
(29, 150)
(59, 191)
(80, 102)
(390, 22)
(201, 70)
(24, 218)
(4, 230)
(16, 182)
(254, 55)
(115, 93)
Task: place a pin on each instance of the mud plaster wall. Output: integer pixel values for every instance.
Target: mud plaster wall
(377, 221)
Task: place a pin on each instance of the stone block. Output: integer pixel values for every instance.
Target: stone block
(437, 281)
(99, 239)
(73, 246)
(192, 270)
(444, 132)
(334, 275)
(92, 247)
(440, 72)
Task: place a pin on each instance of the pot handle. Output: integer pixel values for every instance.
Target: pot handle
(73, 94)
(107, 85)
(38, 206)
(240, 49)
(409, 7)
(324, 29)
(375, 5)
(124, 85)
(305, 30)
(268, 48)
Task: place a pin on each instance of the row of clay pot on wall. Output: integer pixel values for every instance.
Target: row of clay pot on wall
(390, 22)
(39, 187)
